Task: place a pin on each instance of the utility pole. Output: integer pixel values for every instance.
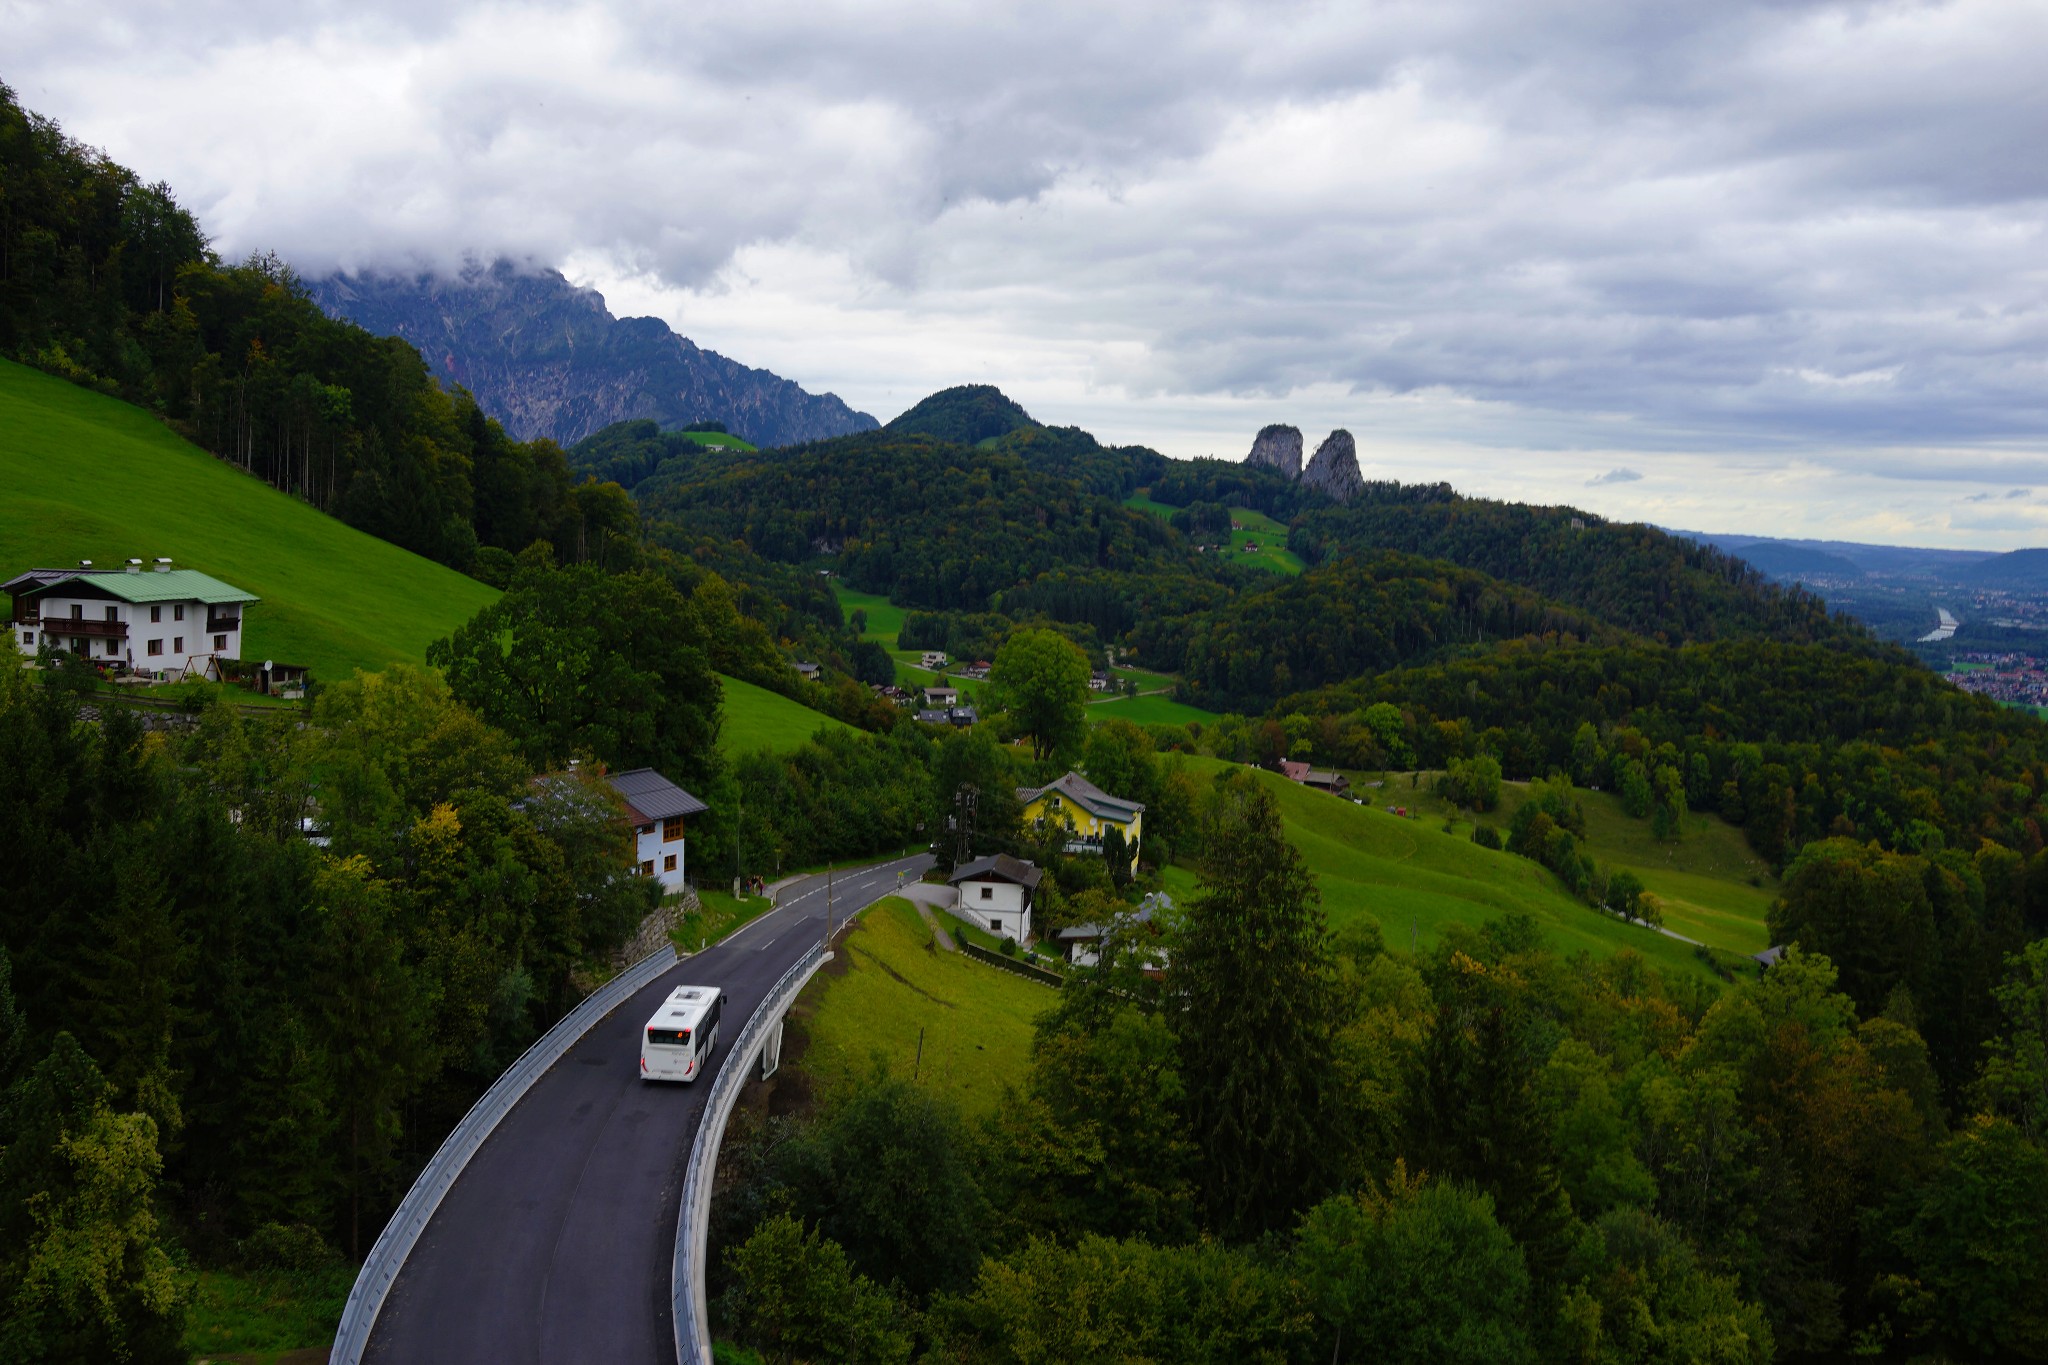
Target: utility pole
(964, 802)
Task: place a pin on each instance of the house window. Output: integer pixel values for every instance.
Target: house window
(996, 925)
(672, 829)
(988, 893)
(156, 647)
(113, 613)
(28, 637)
(647, 868)
(668, 864)
(178, 612)
(647, 829)
(156, 614)
(177, 644)
(220, 642)
(113, 646)
(78, 611)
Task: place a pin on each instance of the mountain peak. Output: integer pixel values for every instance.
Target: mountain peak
(966, 413)
(547, 358)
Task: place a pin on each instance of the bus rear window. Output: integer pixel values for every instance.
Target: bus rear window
(669, 1037)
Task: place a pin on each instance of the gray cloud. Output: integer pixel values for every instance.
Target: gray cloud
(1813, 230)
(1614, 476)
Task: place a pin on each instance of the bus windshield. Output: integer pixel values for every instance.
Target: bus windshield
(669, 1037)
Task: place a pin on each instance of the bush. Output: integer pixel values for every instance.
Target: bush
(1486, 836)
(1009, 946)
(285, 1246)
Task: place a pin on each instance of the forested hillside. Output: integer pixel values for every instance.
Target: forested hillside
(252, 970)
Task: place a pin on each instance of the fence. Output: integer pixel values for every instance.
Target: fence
(1043, 975)
(387, 1257)
(692, 1313)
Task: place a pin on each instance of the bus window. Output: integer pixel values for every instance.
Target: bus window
(669, 1037)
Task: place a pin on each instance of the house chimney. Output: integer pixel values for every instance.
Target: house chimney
(163, 565)
(134, 566)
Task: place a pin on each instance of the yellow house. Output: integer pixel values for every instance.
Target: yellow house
(1088, 812)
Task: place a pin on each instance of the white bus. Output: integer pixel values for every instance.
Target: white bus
(678, 1039)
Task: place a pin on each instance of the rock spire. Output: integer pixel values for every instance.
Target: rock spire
(1280, 447)
(1334, 469)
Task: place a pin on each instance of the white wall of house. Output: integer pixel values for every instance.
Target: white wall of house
(661, 858)
(160, 637)
(1002, 908)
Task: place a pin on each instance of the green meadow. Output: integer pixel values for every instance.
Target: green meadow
(1416, 880)
(1152, 710)
(756, 718)
(720, 439)
(1248, 528)
(90, 477)
(897, 985)
(1712, 885)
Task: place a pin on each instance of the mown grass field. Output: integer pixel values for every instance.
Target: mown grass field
(1713, 886)
(723, 440)
(1149, 711)
(976, 1019)
(1416, 880)
(756, 718)
(89, 477)
(1248, 528)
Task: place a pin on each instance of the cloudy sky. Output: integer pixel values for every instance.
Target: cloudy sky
(1769, 267)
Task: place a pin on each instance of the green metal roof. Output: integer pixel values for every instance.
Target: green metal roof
(172, 585)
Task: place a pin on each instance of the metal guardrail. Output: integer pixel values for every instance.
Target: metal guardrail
(380, 1270)
(693, 1220)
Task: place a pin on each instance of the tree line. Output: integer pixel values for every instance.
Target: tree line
(1303, 1146)
(107, 281)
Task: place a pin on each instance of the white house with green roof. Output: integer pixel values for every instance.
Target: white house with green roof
(160, 620)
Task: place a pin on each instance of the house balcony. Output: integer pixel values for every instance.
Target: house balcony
(219, 625)
(74, 627)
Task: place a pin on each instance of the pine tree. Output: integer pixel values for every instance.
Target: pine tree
(1258, 1012)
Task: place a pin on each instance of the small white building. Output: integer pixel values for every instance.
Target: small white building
(995, 894)
(943, 698)
(932, 658)
(166, 622)
(657, 808)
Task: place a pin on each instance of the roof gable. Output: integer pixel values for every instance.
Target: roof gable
(651, 796)
(1086, 795)
(171, 585)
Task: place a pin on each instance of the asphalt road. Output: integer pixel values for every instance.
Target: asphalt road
(556, 1244)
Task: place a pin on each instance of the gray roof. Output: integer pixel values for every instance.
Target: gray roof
(999, 868)
(1142, 915)
(1087, 795)
(652, 796)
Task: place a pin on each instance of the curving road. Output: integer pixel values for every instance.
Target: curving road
(556, 1243)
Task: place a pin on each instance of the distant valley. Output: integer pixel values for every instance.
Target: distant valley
(548, 359)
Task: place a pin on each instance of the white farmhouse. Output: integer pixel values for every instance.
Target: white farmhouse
(656, 806)
(995, 894)
(166, 622)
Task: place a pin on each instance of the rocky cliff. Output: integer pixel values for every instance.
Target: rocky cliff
(1334, 468)
(548, 359)
(1280, 447)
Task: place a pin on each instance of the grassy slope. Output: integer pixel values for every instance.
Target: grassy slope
(976, 1019)
(1703, 880)
(723, 440)
(89, 477)
(1415, 879)
(756, 718)
(1149, 711)
(1250, 528)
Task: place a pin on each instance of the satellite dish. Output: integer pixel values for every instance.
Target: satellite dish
(266, 665)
